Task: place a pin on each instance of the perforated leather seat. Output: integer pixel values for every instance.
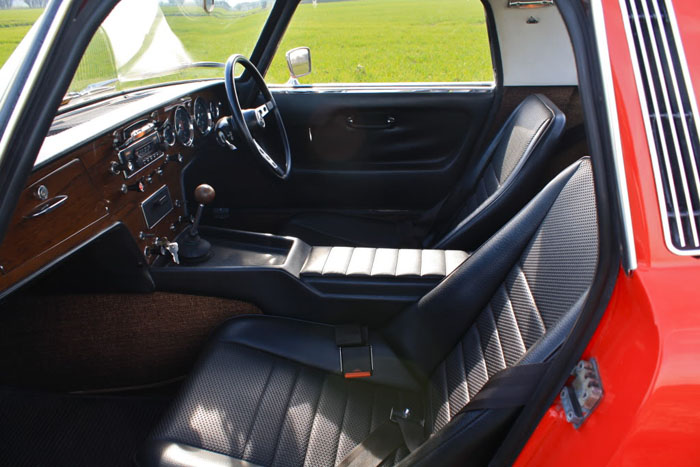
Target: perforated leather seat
(493, 188)
(268, 390)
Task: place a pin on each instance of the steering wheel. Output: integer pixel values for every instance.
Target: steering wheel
(253, 124)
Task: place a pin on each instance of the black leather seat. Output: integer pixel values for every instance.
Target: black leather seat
(268, 390)
(493, 188)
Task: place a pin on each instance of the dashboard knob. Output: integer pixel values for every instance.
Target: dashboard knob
(204, 194)
(115, 168)
(138, 186)
(41, 193)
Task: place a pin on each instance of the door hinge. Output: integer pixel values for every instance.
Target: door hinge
(582, 394)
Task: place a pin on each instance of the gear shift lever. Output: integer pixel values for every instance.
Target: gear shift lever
(204, 194)
(194, 248)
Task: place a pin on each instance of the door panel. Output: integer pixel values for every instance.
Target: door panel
(373, 131)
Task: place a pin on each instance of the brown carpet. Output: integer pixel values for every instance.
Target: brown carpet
(86, 342)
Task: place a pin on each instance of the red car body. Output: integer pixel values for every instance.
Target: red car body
(648, 342)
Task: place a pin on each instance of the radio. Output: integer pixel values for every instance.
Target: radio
(139, 154)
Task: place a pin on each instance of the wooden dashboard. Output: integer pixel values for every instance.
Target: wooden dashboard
(73, 199)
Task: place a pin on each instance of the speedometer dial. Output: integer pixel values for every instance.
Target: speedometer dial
(202, 117)
(183, 126)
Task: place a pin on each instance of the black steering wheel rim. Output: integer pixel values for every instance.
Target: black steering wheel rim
(239, 120)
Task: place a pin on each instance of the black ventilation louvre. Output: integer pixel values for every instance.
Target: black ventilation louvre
(671, 117)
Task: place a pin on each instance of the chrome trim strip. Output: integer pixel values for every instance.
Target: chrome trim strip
(629, 253)
(665, 223)
(438, 87)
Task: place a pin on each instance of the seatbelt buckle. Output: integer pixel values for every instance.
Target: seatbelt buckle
(405, 414)
(356, 361)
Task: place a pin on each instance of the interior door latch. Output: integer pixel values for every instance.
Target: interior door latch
(582, 394)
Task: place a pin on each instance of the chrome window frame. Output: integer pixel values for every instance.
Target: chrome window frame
(629, 253)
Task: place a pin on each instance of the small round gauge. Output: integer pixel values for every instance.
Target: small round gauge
(168, 134)
(214, 110)
(183, 126)
(202, 117)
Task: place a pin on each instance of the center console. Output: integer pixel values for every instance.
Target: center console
(285, 276)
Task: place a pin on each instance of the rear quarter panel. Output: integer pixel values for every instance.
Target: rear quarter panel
(648, 342)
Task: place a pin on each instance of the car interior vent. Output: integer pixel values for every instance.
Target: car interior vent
(670, 115)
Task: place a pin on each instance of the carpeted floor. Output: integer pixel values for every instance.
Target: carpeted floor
(99, 341)
(66, 430)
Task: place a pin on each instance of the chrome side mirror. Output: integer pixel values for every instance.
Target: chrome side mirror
(208, 5)
(299, 63)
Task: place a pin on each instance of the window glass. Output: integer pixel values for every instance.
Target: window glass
(145, 42)
(15, 21)
(385, 41)
(18, 27)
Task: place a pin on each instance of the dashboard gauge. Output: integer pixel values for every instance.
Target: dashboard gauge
(168, 134)
(183, 126)
(214, 110)
(202, 117)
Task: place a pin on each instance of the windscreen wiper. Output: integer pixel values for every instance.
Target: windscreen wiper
(91, 89)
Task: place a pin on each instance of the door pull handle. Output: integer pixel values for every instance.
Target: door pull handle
(47, 206)
(388, 123)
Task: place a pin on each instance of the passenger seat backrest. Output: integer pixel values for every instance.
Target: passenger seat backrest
(508, 174)
(512, 301)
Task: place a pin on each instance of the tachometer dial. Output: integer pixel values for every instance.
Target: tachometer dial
(202, 117)
(168, 134)
(183, 126)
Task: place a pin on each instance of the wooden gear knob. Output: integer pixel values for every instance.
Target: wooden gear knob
(204, 194)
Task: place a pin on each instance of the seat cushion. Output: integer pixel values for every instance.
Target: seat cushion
(271, 404)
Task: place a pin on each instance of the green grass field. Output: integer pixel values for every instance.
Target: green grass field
(351, 41)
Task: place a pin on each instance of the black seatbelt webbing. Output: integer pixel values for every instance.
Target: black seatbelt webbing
(375, 448)
(510, 387)
(421, 228)
(350, 334)
(412, 433)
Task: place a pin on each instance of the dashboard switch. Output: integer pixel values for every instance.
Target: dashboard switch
(138, 186)
(176, 158)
